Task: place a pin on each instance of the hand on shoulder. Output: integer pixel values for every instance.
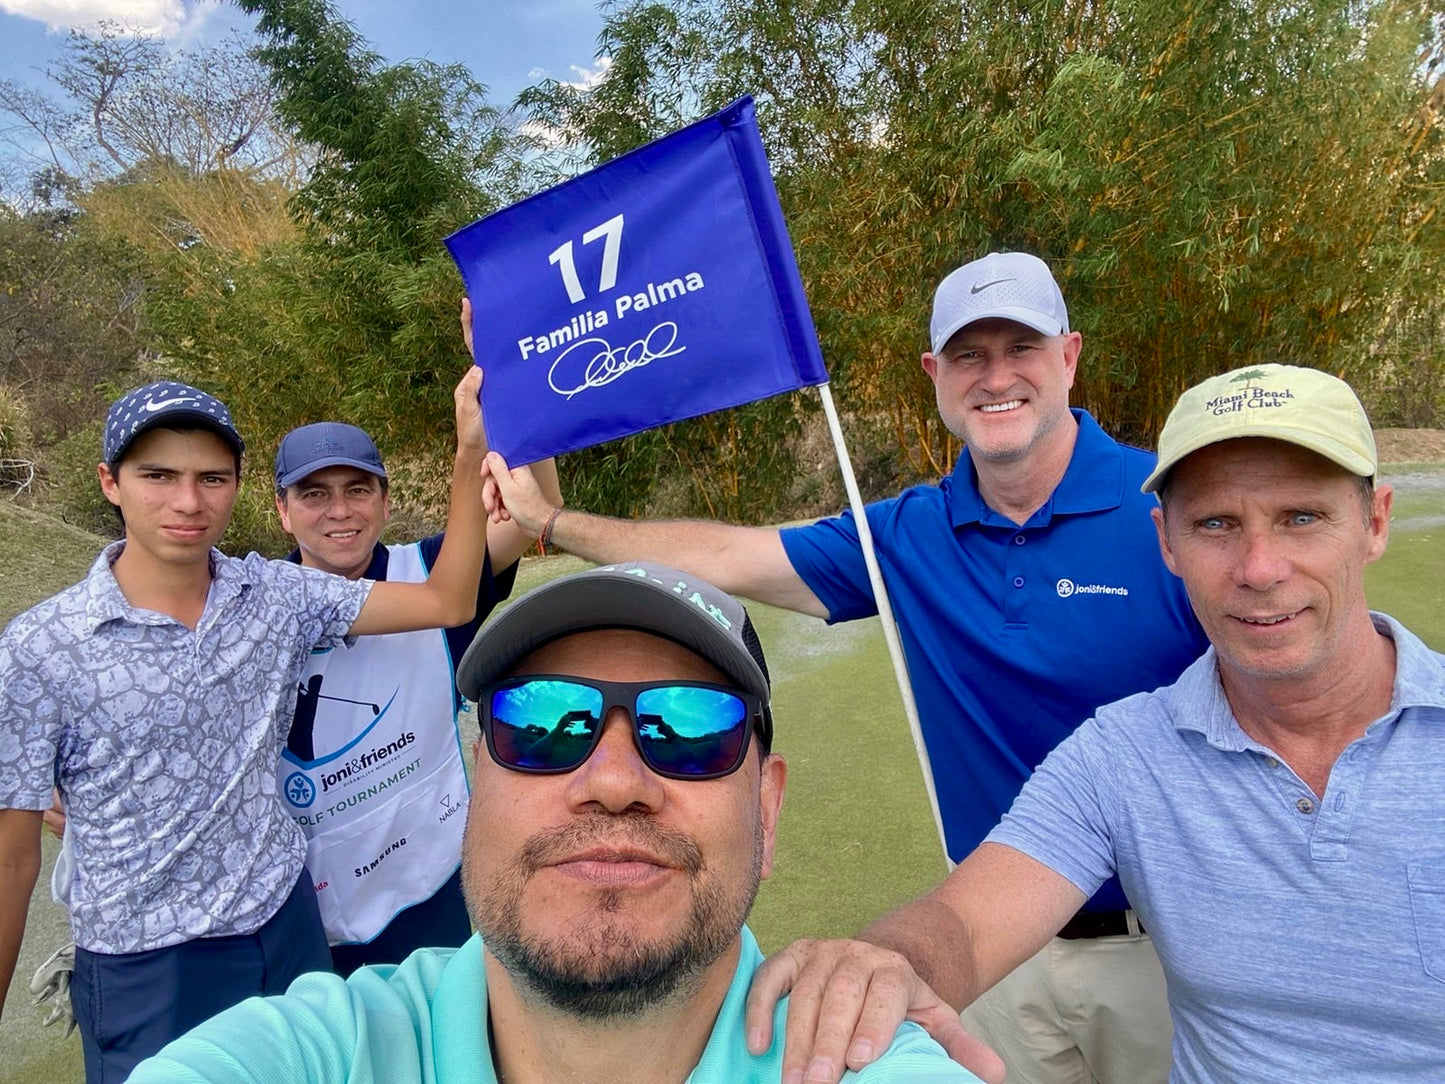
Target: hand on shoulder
(847, 1000)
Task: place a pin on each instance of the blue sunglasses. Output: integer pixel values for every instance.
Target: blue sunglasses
(549, 723)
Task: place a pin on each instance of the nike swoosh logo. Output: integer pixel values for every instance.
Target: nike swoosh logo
(981, 286)
(161, 404)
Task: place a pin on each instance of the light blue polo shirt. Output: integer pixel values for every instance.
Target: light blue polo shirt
(1014, 635)
(1302, 938)
(425, 1020)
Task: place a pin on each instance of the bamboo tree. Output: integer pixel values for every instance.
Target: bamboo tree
(1215, 182)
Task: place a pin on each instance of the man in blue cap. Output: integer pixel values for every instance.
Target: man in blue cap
(155, 694)
(385, 859)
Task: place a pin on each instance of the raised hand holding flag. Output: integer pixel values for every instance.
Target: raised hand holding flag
(657, 287)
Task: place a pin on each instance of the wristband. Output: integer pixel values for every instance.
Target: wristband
(545, 538)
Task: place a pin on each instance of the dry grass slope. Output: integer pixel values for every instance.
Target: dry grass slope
(42, 555)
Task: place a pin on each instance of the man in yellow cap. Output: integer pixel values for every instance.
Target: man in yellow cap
(1276, 816)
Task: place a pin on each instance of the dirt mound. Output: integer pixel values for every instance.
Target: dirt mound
(1410, 445)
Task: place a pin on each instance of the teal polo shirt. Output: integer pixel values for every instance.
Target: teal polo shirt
(425, 1020)
(1014, 634)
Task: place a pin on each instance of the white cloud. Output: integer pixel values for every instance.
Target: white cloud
(164, 18)
(584, 78)
(587, 78)
(544, 134)
(193, 23)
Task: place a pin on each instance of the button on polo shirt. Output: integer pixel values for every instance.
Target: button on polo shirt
(1014, 634)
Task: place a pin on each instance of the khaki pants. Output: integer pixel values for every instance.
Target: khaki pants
(1091, 1011)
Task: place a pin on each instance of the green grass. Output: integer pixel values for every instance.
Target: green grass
(42, 555)
(1409, 581)
(856, 836)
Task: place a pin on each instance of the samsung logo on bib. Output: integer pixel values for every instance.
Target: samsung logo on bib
(1068, 589)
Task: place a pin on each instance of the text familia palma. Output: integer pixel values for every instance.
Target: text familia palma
(584, 323)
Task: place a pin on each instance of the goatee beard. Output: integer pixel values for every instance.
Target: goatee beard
(600, 969)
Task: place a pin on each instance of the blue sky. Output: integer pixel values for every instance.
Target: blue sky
(508, 44)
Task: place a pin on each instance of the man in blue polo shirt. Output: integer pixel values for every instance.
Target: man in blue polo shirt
(1029, 591)
(625, 814)
(1277, 815)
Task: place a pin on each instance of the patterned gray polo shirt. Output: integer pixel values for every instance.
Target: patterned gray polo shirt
(164, 742)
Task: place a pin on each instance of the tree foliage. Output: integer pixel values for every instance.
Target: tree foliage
(329, 295)
(70, 318)
(1215, 182)
(168, 155)
(153, 161)
(405, 149)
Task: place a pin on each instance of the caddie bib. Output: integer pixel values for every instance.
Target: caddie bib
(374, 774)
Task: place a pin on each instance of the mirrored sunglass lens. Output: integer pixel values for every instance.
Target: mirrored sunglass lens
(545, 725)
(691, 731)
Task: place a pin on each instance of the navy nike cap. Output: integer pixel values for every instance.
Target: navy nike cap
(166, 404)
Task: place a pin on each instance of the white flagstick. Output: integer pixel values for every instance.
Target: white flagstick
(885, 612)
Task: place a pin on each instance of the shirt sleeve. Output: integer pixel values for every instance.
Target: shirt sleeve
(332, 604)
(374, 1028)
(828, 557)
(1065, 814)
(30, 719)
(308, 1036)
(913, 1057)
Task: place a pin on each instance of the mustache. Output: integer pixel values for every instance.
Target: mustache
(615, 830)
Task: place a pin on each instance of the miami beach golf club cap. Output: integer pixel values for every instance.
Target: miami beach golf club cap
(165, 404)
(1003, 285)
(646, 597)
(1282, 402)
(325, 444)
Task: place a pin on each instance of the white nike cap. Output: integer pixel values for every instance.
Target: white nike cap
(1004, 286)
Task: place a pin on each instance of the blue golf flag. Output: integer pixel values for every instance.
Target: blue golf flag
(657, 287)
